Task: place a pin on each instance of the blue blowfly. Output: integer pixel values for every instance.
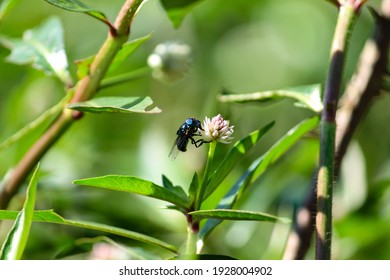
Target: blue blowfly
(185, 133)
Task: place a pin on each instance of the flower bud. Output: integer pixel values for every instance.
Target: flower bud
(170, 61)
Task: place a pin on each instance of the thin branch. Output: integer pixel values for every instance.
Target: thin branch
(85, 89)
(360, 93)
(325, 178)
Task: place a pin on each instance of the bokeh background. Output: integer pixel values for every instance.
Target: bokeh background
(244, 46)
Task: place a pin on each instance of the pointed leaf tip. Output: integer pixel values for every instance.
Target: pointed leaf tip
(137, 186)
(178, 9)
(240, 215)
(16, 240)
(80, 7)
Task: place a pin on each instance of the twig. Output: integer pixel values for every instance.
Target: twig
(85, 89)
(364, 86)
(325, 179)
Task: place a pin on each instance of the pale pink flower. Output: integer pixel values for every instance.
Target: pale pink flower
(217, 129)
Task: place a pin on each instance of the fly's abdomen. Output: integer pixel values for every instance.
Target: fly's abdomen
(182, 143)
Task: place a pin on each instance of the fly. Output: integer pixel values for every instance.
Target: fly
(186, 132)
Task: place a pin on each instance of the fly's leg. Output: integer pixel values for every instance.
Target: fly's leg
(199, 142)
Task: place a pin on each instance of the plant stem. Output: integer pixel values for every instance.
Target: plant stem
(48, 114)
(124, 78)
(32, 157)
(193, 226)
(357, 99)
(347, 14)
(209, 163)
(85, 89)
(192, 236)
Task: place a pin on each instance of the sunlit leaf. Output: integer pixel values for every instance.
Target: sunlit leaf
(113, 104)
(78, 6)
(237, 152)
(178, 9)
(258, 167)
(49, 216)
(83, 66)
(126, 51)
(134, 185)
(16, 240)
(306, 96)
(43, 48)
(241, 215)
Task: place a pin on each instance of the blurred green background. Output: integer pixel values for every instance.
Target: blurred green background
(244, 46)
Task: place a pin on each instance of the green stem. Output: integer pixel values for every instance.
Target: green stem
(192, 237)
(347, 15)
(124, 78)
(209, 163)
(32, 157)
(48, 114)
(85, 90)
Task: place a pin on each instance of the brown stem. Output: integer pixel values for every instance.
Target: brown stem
(32, 157)
(85, 89)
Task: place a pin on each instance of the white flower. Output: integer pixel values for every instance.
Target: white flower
(170, 61)
(217, 129)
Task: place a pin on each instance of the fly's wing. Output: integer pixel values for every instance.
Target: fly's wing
(174, 151)
(180, 144)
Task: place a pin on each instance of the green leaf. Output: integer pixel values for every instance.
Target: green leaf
(258, 167)
(176, 189)
(307, 96)
(83, 66)
(126, 50)
(134, 185)
(194, 187)
(125, 77)
(49, 216)
(86, 245)
(282, 146)
(115, 104)
(202, 257)
(16, 239)
(167, 183)
(227, 202)
(237, 152)
(78, 6)
(178, 9)
(43, 47)
(6, 6)
(36, 124)
(241, 215)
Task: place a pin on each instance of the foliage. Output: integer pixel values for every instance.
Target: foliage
(16, 240)
(260, 178)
